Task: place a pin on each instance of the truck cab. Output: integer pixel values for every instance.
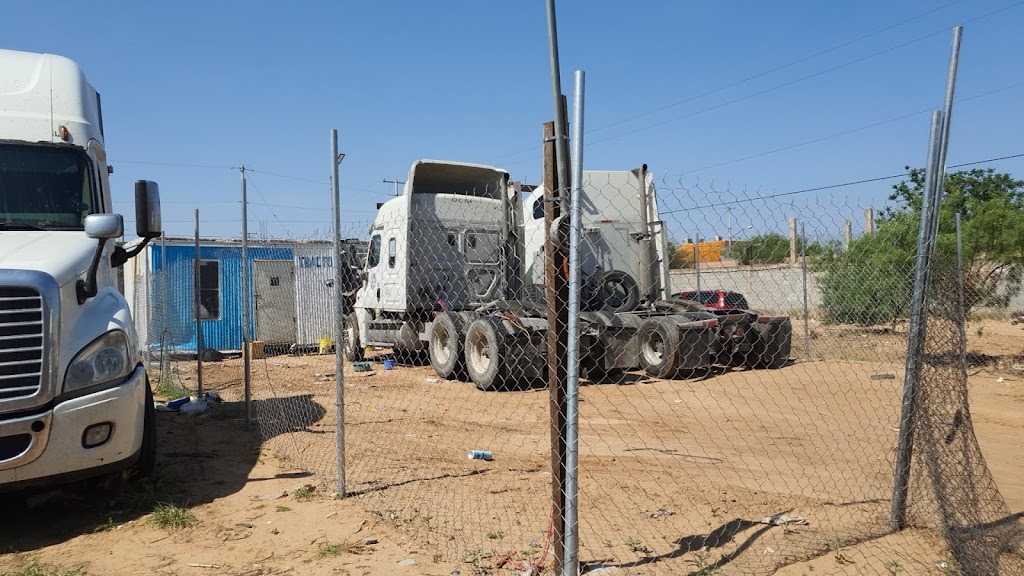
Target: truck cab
(75, 400)
(443, 245)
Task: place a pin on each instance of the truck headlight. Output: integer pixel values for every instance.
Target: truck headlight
(104, 360)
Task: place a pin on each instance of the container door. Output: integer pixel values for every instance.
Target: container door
(274, 287)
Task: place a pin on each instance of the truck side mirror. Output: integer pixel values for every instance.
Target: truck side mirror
(104, 226)
(147, 209)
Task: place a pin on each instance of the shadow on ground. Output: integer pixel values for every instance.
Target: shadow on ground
(199, 459)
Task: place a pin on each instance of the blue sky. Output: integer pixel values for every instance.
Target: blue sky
(191, 89)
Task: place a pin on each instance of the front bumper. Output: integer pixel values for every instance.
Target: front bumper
(55, 453)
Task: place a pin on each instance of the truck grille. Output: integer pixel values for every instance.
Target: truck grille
(21, 342)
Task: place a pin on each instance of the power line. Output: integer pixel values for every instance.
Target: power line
(272, 213)
(829, 187)
(175, 164)
(251, 203)
(772, 89)
(777, 68)
(845, 132)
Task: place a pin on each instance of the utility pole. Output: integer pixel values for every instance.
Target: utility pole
(395, 182)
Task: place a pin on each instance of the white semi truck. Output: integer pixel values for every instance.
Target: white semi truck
(455, 266)
(75, 401)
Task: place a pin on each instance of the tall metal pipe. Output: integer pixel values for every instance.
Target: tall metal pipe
(197, 288)
(803, 270)
(930, 210)
(570, 567)
(556, 98)
(339, 339)
(246, 336)
(915, 339)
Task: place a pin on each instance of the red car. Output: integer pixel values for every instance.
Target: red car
(716, 299)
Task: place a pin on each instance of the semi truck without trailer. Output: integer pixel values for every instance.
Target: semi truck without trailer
(456, 263)
(75, 401)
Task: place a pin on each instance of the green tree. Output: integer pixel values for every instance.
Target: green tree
(769, 248)
(872, 283)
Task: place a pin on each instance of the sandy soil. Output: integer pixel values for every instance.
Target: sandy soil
(667, 468)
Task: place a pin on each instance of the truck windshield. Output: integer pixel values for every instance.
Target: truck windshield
(43, 187)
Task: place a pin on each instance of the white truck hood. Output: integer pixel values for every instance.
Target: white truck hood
(63, 255)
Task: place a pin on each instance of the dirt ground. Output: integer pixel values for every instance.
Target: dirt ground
(675, 475)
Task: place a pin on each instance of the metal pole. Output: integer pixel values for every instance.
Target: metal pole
(696, 261)
(930, 209)
(947, 109)
(570, 567)
(339, 333)
(803, 266)
(556, 97)
(246, 336)
(556, 295)
(557, 292)
(199, 319)
(915, 340)
(165, 369)
(961, 293)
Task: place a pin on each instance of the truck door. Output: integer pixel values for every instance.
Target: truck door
(369, 296)
(392, 267)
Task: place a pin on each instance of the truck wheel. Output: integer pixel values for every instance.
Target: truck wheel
(353, 348)
(484, 350)
(445, 346)
(773, 346)
(659, 340)
(615, 291)
(147, 457)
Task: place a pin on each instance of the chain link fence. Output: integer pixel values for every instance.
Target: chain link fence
(290, 307)
(742, 360)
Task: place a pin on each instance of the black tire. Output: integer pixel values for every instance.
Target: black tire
(445, 346)
(147, 454)
(484, 354)
(772, 347)
(659, 342)
(353, 348)
(615, 291)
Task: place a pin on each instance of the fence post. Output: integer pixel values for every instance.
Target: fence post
(165, 362)
(961, 293)
(847, 235)
(199, 316)
(556, 188)
(803, 266)
(930, 205)
(570, 565)
(339, 366)
(246, 337)
(869, 221)
(915, 340)
(696, 261)
(555, 288)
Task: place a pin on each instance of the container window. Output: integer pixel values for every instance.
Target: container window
(209, 289)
